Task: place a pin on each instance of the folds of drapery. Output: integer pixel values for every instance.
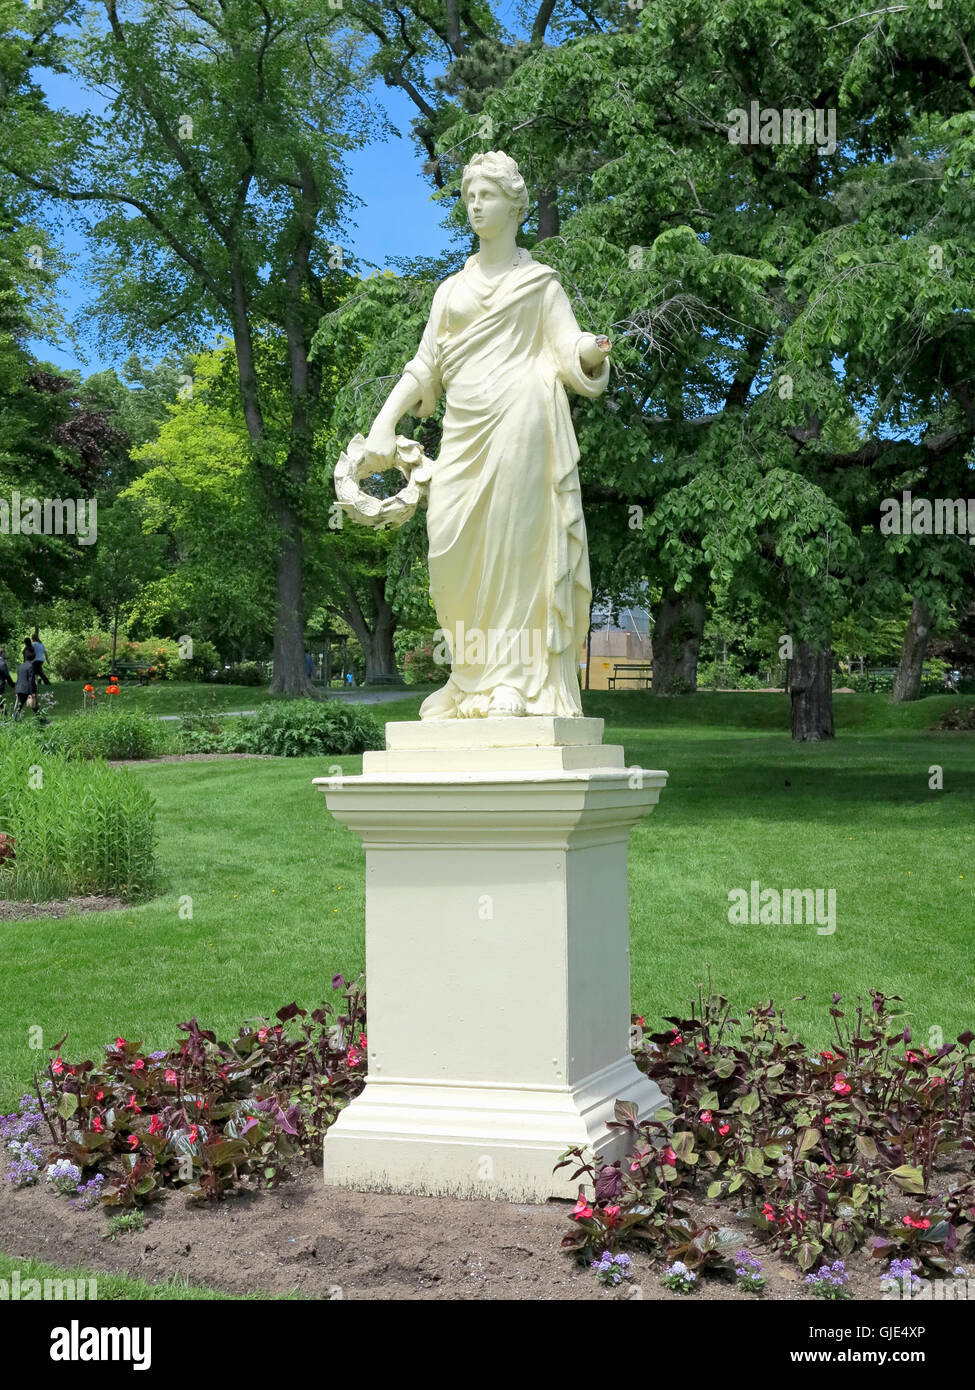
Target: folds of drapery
(505, 523)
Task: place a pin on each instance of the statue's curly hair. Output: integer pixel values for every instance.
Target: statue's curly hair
(501, 169)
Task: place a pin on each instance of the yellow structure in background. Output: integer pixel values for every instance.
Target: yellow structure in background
(609, 646)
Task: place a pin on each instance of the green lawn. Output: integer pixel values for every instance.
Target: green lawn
(277, 886)
(168, 697)
(120, 1287)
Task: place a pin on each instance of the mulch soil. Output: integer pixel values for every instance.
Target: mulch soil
(322, 1242)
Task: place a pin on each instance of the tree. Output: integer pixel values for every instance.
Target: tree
(789, 347)
(217, 169)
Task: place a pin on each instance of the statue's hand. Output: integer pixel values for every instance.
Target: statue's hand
(380, 450)
(594, 353)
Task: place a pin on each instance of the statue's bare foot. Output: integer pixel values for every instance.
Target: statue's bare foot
(505, 702)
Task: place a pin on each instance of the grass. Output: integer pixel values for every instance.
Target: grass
(276, 887)
(119, 1287)
(170, 697)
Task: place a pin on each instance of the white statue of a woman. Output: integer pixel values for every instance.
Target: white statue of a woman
(509, 567)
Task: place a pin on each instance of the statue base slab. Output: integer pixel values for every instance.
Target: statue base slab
(497, 956)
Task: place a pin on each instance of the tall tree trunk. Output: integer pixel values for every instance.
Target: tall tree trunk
(676, 643)
(548, 214)
(809, 680)
(376, 640)
(907, 682)
(290, 676)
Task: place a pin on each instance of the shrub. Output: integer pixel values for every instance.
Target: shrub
(420, 668)
(76, 826)
(302, 728)
(242, 673)
(109, 732)
(958, 718)
(206, 1115)
(74, 656)
(821, 1151)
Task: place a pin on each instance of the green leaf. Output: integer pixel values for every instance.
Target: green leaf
(67, 1105)
(807, 1142)
(908, 1179)
(808, 1253)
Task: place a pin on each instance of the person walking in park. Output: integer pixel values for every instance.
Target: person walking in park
(26, 687)
(40, 656)
(5, 679)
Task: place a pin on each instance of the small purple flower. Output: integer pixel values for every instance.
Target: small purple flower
(23, 1173)
(829, 1281)
(610, 1269)
(63, 1175)
(89, 1193)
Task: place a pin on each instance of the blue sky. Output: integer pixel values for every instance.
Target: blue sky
(397, 218)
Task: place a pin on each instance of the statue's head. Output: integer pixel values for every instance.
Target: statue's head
(494, 193)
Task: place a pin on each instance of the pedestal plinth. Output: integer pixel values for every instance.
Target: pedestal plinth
(497, 956)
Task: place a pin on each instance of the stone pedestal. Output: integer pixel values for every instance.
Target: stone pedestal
(497, 955)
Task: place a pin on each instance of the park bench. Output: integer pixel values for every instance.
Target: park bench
(129, 671)
(639, 672)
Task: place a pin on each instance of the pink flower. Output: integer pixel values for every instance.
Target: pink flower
(57, 1066)
(138, 1064)
(723, 1129)
(828, 1056)
(119, 1042)
(706, 1117)
(768, 1212)
(97, 1125)
(194, 1134)
(841, 1086)
(352, 1057)
(133, 1141)
(363, 1041)
(675, 1039)
(262, 1035)
(668, 1157)
(171, 1077)
(155, 1125)
(612, 1215)
(581, 1209)
(132, 1105)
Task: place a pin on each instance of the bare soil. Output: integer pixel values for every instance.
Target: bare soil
(13, 910)
(323, 1243)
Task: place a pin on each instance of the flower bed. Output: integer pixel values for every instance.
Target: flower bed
(867, 1143)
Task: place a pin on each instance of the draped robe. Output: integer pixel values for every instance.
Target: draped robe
(509, 566)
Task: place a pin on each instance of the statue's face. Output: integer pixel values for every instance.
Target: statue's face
(489, 209)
